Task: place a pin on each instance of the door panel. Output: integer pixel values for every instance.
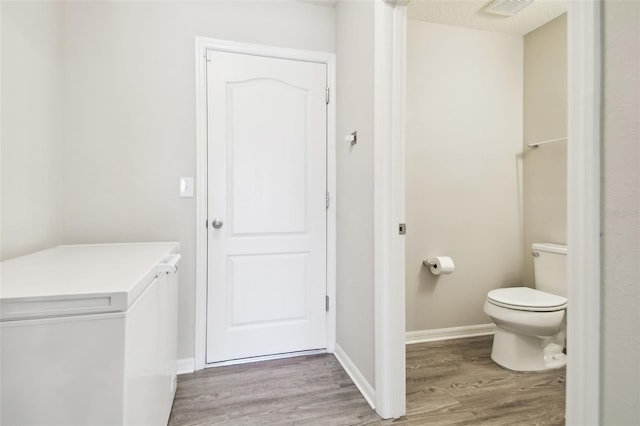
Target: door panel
(279, 193)
(256, 279)
(267, 183)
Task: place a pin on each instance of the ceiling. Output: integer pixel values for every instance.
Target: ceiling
(470, 13)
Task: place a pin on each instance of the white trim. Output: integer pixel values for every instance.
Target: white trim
(422, 336)
(398, 160)
(583, 213)
(201, 206)
(264, 50)
(389, 78)
(331, 211)
(356, 376)
(185, 365)
(202, 45)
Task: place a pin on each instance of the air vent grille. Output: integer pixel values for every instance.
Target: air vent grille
(507, 7)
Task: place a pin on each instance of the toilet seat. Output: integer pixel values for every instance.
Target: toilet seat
(526, 299)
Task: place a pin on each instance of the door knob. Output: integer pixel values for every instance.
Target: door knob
(217, 223)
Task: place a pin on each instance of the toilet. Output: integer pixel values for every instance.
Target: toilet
(531, 323)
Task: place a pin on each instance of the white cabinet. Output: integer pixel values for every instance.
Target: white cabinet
(88, 335)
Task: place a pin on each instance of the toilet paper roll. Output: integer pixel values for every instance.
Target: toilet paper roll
(441, 265)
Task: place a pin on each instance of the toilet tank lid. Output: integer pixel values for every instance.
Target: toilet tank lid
(550, 247)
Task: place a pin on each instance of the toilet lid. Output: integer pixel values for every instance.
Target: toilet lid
(526, 299)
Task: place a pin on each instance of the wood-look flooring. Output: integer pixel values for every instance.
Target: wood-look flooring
(448, 383)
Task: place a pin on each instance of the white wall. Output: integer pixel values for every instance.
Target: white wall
(355, 279)
(620, 399)
(463, 170)
(545, 117)
(31, 127)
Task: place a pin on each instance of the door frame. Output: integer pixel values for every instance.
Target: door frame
(389, 206)
(202, 45)
(582, 405)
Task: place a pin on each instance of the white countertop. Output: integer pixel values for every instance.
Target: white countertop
(97, 277)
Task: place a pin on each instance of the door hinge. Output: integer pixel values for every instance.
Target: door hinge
(328, 97)
(327, 200)
(326, 303)
(206, 223)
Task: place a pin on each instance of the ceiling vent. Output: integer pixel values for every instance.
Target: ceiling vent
(507, 7)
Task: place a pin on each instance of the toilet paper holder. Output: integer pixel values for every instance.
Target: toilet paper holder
(440, 265)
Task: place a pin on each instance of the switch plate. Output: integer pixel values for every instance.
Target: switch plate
(186, 187)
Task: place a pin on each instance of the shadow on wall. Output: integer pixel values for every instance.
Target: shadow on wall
(427, 281)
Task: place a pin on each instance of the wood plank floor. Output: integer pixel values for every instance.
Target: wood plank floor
(448, 383)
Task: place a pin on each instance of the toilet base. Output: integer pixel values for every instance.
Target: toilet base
(520, 352)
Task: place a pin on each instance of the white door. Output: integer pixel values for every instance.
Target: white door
(266, 206)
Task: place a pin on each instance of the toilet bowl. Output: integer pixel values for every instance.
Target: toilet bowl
(527, 338)
(531, 323)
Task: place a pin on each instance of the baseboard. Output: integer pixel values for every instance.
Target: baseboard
(422, 336)
(356, 376)
(185, 365)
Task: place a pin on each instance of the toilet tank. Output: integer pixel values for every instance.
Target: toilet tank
(550, 268)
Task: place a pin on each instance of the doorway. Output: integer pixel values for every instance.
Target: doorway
(583, 211)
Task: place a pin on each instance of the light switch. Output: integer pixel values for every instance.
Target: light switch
(186, 187)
